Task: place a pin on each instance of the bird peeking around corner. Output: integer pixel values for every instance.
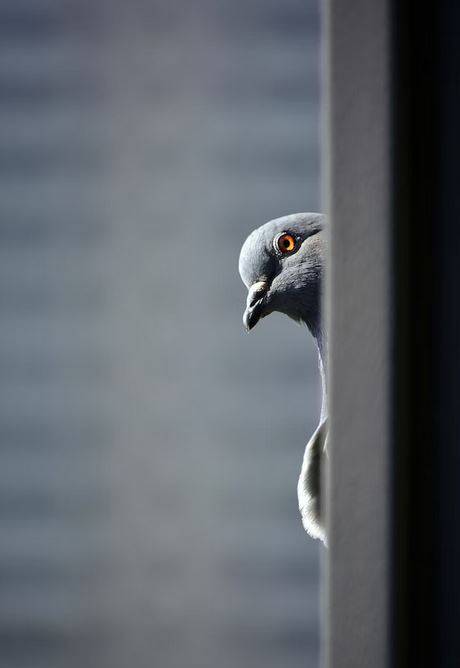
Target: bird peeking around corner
(281, 263)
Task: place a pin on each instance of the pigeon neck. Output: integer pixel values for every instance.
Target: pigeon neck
(321, 343)
(320, 339)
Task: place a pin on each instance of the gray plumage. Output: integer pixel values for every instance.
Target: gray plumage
(281, 263)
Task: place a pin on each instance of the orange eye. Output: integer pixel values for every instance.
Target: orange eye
(286, 243)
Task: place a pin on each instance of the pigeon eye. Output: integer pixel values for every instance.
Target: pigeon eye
(285, 243)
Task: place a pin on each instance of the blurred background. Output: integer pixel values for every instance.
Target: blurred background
(150, 448)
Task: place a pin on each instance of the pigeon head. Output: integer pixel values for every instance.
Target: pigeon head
(281, 264)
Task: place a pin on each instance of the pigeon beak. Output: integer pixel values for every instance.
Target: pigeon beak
(255, 304)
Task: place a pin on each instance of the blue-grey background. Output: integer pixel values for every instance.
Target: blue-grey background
(149, 447)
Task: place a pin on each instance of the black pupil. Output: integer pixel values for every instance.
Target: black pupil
(286, 243)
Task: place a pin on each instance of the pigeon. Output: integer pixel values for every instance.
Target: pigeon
(282, 264)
